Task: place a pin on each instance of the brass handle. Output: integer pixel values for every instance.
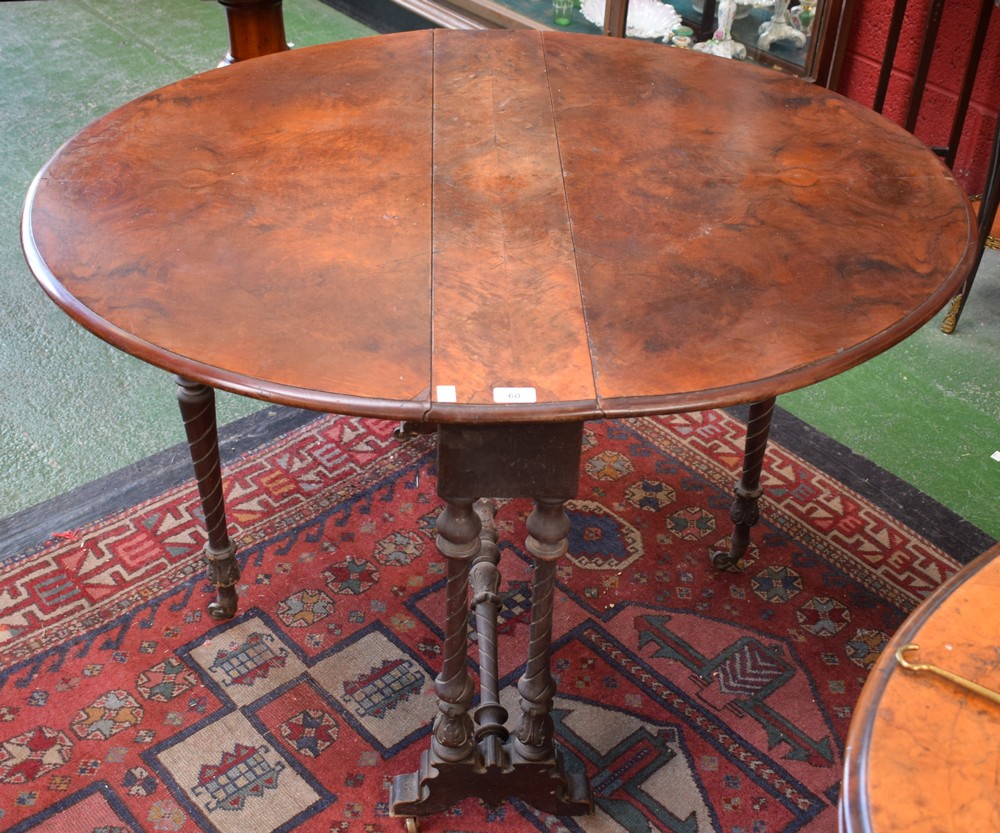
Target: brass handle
(968, 685)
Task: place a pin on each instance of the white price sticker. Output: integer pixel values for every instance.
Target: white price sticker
(513, 395)
(447, 393)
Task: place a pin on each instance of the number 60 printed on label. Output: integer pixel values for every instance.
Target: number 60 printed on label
(514, 395)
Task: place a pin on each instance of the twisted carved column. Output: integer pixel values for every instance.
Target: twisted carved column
(197, 404)
(745, 511)
(548, 526)
(458, 528)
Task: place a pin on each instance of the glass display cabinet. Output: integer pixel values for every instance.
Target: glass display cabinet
(803, 37)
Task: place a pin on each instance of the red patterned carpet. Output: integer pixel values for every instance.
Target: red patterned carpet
(696, 700)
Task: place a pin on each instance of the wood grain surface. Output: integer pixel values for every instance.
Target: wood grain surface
(923, 755)
(382, 225)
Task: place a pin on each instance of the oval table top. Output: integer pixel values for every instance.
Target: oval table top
(454, 226)
(923, 755)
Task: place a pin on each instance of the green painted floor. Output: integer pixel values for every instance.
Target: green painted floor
(929, 409)
(73, 409)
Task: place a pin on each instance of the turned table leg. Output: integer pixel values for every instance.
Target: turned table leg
(197, 404)
(256, 28)
(458, 529)
(548, 526)
(484, 580)
(745, 511)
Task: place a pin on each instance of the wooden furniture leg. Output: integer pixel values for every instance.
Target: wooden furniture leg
(197, 404)
(484, 580)
(452, 739)
(745, 511)
(256, 27)
(485, 761)
(548, 526)
(987, 214)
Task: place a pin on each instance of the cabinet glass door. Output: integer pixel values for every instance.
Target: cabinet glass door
(802, 37)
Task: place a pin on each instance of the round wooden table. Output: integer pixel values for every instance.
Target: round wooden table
(500, 234)
(410, 226)
(923, 754)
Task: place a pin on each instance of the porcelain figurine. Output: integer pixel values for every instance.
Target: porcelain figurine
(682, 37)
(722, 43)
(803, 16)
(779, 27)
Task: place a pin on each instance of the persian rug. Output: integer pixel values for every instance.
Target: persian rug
(695, 699)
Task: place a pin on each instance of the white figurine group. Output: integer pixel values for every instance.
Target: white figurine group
(779, 27)
(655, 19)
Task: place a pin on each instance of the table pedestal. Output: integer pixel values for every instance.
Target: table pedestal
(477, 754)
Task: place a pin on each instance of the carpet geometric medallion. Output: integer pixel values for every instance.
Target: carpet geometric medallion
(695, 699)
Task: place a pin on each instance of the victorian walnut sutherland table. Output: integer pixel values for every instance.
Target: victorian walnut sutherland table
(500, 235)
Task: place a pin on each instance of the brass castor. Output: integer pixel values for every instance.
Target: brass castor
(722, 559)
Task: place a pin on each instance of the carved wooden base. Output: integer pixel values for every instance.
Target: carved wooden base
(438, 785)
